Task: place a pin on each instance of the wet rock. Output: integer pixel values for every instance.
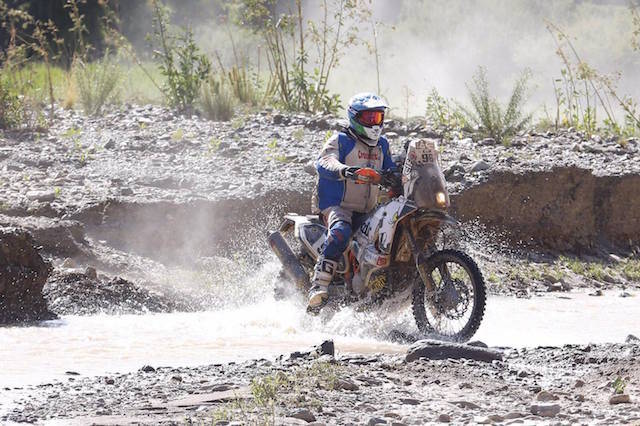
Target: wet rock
(303, 414)
(632, 339)
(56, 236)
(478, 344)
(23, 273)
(376, 421)
(148, 369)
(545, 410)
(619, 399)
(433, 349)
(325, 348)
(85, 294)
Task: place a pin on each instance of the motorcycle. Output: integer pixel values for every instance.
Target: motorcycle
(394, 251)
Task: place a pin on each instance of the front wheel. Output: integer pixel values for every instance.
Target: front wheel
(454, 308)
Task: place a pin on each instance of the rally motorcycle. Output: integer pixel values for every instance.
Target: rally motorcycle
(395, 251)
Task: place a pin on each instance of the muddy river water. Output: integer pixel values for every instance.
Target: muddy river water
(94, 345)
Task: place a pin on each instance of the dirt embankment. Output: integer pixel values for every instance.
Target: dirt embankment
(132, 190)
(563, 209)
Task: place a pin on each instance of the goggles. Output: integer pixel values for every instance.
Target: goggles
(371, 118)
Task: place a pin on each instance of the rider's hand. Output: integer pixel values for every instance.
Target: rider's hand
(350, 172)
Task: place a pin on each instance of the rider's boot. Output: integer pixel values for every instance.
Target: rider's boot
(322, 276)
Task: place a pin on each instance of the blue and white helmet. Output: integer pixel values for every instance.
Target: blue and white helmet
(366, 116)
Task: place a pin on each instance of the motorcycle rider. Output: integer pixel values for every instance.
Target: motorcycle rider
(340, 198)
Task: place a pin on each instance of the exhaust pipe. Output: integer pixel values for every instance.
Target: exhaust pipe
(290, 262)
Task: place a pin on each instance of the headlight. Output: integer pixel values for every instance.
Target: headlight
(441, 199)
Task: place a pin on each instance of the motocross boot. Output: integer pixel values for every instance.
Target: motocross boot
(322, 276)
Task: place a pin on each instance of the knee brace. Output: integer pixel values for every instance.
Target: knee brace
(337, 240)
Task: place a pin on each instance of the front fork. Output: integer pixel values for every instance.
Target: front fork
(421, 259)
(419, 255)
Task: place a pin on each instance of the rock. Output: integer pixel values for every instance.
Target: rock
(148, 369)
(110, 144)
(478, 344)
(325, 348)
(454, 169)
(433, 349)
(621, 398)
(346, 385)
(596, 293)
(465, 404)
(410, 401)
(487, 142)
(176, 378)
(23, 273)
(546, 396)
(631, 339)
(578, 384)
(444, 418)
(58, 237)
(109, 381)
(376, 421)
(71, 292)
(479, 166)
(513, 415)
(303, 414)
(71, 373)
(126, 191)
(91, 273)
(42, 196)
(545, 410)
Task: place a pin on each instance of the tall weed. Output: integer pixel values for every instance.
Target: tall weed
(490, 117)
(97, 84)
(216, 100)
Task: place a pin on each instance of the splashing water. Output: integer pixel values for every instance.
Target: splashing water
(265, 328)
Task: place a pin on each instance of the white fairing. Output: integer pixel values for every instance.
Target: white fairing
(373, 241)
(418, 153)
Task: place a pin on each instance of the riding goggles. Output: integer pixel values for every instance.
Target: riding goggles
(371, 118)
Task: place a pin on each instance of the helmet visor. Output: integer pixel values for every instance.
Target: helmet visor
(371, 118)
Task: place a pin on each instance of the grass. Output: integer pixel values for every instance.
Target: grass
(271, 392)
(216, 100)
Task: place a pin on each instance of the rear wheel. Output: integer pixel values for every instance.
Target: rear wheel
(455, 306)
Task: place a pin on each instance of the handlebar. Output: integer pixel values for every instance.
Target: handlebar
(366, 175)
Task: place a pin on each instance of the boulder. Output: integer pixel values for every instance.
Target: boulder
(23, 273)
(433, 349)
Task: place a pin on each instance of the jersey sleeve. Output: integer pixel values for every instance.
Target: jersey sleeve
(387, 161)
(328, 163)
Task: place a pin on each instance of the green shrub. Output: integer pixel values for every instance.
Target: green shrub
(216, 100)
(96, 83)
(490, 117)
(180, 61)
